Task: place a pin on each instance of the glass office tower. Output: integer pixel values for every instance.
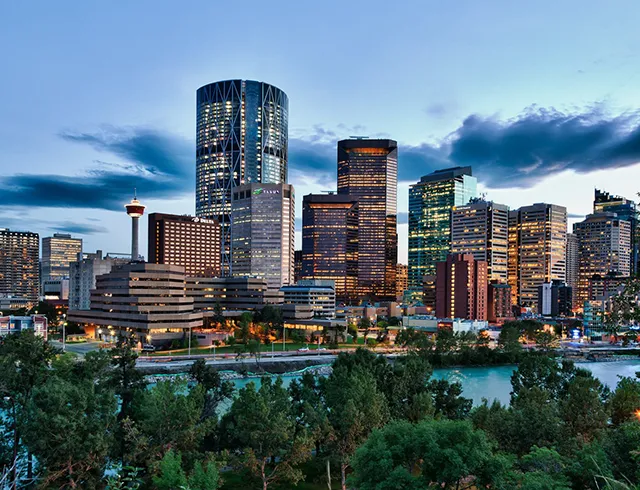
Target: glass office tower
(241, 138)
(431, 201)
(58, 252)
(625, 209)
(263, 233)
(368, 171)
(537, 250)
(330, 242)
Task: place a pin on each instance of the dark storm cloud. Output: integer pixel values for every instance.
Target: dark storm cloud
(159, 165)
(514, 153)
(79, 228)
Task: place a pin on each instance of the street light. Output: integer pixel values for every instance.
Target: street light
(64, 335)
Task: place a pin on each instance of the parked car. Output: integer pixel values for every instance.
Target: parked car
(303, 349)
(148, 348)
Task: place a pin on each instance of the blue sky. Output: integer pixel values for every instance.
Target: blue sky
(99, 97)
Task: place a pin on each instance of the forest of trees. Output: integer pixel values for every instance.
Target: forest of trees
(94, 422)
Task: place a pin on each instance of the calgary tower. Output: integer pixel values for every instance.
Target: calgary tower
(134, 209)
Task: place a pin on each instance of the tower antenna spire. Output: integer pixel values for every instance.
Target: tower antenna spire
(135, 193)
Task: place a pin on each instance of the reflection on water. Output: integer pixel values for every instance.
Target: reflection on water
(495, 382)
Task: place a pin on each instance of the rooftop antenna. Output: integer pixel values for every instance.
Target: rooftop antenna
(359, 137)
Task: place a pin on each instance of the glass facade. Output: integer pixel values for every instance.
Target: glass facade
(241, 138)
(480, 228)
(330, 242)
(537, 250)
(625, 209)
(604, 248)
(58, 252)
(263, 234)
(430, 204)
(19, 265)
(368, 171)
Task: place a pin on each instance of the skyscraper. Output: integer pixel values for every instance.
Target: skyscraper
(625, 209)
(330, 242)
(58, 252)
(262, 242)
(461, 288)
(189, 241)
(572, 263)
(19, 271)
(604, 244)
(480, 228)
(537, 249)
(430, 203)
(368, 171)
(241, 138)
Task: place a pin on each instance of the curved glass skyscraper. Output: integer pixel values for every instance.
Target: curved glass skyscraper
(241, 138)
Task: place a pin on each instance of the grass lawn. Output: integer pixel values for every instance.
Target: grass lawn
(233, 349)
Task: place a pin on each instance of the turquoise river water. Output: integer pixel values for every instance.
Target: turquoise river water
(494, 382)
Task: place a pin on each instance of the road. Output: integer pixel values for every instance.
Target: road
(80, 348)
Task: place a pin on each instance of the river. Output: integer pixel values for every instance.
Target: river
(494, 382)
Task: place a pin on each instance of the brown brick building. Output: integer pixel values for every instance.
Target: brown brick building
(461, 288)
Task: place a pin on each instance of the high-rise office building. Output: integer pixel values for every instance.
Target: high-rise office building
(537, 249)
(604, 244)
(402, 280)
(262, 242)
(19, 265)
(192, 242)
(430, 203)
(461, 288)
(368, 171)
(330, 242)
(572, 261)
(625, 209)
(481, 229)
(241, 138)
(297, 265)
(554, 298)
(58, 252)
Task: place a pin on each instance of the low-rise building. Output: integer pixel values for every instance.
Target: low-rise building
(55, 290)
(431, 324)
(499, 302)
(16, 324)
(319, 294)
(554, 299)
(145, 301)
(231, 293)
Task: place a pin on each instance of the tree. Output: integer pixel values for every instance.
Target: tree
(625, 401)
(447, 401)
(355, 407)
(79, 420)
(589, 467)
(171, 476)
(546, 341)
(543, 469)
(582, 408)
(245, 326)
(169, 415)
(509, 340)
(365, 324)
(432, 454)
(543, 372)
(261, 425)
(24, 363)
(624, 309)
(126, 381)
(215, 388)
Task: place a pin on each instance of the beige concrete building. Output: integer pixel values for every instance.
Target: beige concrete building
(146, 301)
(231, 293)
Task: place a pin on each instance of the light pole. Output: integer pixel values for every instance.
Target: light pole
(189, 341)
(64, 335)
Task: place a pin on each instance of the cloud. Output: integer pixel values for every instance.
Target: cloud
(78, 228)
(513, 153)
(159, 165)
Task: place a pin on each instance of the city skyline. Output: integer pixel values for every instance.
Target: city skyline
(92, 151)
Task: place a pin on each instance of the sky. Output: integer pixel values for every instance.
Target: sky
(97, 98)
